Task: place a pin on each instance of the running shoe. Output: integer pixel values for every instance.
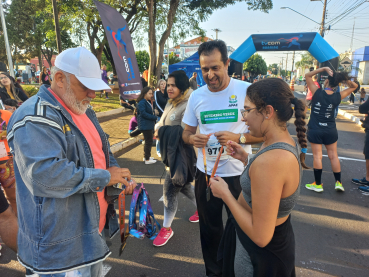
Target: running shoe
(364, 189)
(150, 161)
(360, 182)
(338, 186)
(314, 187)
(163, 237)
(151, 158)
(195, 217)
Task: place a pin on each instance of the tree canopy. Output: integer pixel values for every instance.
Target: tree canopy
(151, 22)
(255, 65)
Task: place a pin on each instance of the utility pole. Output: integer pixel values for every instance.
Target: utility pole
(322, 29)
(216, 32)
(286, 65)
(352, 37)
(293, 62)
(8, 53)
(57, 29)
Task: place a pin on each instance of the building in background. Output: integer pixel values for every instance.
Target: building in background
(188, 48)
(360, 59)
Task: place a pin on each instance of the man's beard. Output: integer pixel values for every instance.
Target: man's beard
(73, 104)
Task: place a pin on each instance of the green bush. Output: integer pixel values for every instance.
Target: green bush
(30, 90)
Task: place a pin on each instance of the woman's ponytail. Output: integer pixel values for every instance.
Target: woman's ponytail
(301, 129)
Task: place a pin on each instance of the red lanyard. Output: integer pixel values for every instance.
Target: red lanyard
(213, 172)
(122, 218)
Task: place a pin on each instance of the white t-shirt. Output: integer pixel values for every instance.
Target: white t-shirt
(214, 112)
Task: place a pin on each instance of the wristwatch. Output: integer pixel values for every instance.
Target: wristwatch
(242, 139)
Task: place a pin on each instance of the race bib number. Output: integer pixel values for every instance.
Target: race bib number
(219, 116)
(212, 150)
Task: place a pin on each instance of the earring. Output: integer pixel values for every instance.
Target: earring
(266, 117)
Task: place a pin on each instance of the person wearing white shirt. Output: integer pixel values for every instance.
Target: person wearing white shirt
(216, 110)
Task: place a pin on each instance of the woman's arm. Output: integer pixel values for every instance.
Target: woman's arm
(352, 86)
(266, 190)
(309, 78)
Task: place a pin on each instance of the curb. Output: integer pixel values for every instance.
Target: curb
(125, 143)
(350, 116)
(111, 112)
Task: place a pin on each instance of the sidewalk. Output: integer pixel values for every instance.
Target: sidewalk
(116, 126)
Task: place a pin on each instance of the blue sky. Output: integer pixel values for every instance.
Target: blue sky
(237, 24)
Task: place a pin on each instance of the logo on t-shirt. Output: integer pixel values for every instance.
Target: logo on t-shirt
(219, 116)
(233, 99)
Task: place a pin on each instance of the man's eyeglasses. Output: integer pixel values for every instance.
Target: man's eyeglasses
(3, 78)
(246, 111)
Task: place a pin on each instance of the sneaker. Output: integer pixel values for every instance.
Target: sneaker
(195, 217)
(151, 158)
(360, 182)
(314, 187)
(163, 237)
(150, 161)
(364, 189)
(338, 186)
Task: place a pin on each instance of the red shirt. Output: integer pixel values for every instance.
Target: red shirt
(309, 95)
(92, 136)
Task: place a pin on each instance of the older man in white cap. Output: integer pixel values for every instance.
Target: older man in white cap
(63, 165)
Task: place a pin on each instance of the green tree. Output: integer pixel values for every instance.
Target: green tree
(255, 65)
(273, 68)
(143, 60)
(31, 29)
(173, 58)
(307, 60)
(105, 61)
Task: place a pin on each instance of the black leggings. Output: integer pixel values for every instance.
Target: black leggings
(4, 205)
(148, 134)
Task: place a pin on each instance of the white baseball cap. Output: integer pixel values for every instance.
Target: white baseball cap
(84, 65)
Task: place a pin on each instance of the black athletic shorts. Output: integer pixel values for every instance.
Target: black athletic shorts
(366, 145)
(4, 205)
(322, 136)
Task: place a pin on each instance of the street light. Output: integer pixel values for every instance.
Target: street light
(301, 14)
(8, 53)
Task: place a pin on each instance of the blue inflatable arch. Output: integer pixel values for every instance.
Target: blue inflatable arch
(312, 42)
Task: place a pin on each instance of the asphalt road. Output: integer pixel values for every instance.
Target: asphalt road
(331, 228)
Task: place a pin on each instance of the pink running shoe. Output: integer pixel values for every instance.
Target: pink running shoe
(195, 217)
(163, 237)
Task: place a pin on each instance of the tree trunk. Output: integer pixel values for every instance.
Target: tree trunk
(109, 57)
(40, 60)
(151, 9)
(170, 20)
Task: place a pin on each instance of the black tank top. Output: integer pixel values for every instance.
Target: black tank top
(322, 110)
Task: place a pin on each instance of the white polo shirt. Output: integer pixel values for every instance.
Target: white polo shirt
(215, 112)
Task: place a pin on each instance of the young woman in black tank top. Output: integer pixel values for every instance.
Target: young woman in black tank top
(322, 125)
(264, 243)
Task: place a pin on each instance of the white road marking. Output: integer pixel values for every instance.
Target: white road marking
(341, 158)
(161, 199)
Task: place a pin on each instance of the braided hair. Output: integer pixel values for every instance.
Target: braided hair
(276, 93)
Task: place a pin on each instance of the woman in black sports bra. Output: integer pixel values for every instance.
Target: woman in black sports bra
(258, 239)
(322, 125)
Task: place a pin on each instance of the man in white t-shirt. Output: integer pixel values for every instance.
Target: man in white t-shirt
(216, 110)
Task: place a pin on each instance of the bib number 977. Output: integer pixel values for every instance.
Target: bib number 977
(214, 151)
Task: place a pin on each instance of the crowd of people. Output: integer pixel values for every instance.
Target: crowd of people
(57, 227)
